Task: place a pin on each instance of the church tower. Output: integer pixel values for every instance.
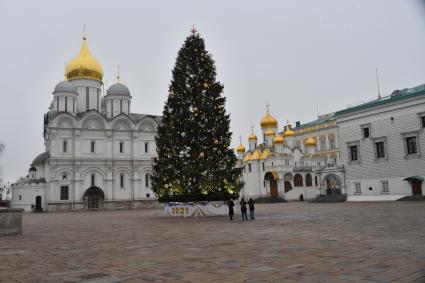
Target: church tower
(86, 74)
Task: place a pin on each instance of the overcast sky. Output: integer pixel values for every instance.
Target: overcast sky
(299, 56)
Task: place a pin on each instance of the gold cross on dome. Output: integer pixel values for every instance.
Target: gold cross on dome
(240, 139)
(84, 31)
(118, 73)
(193, 30)
(252, 129)
(267, 106)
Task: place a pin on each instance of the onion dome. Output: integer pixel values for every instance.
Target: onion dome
(269, 133)
(255, 155)
(288, 132)
(118, 89)
(252, 137)
(240, 148)
(33, 169)
(278, 139)
(84, 66)
(65, 86)
(310, 141)
(268, 121)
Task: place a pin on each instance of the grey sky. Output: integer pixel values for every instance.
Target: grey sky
(298, 55)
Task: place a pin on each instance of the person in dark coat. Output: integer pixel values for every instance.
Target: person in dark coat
(231, 204)
(243, 210)
(251, 206)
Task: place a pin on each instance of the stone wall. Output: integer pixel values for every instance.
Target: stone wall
(10, 221)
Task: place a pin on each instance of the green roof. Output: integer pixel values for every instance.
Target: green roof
(395, 96)
(322, 119)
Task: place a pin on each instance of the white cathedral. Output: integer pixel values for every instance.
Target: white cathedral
(97, 153)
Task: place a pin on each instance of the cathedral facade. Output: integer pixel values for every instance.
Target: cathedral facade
(98, 154)
(292, 162)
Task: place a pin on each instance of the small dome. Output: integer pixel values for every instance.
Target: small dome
(118, 89)
(269, 133)
(255, 155)
(288, 132)
(247, 157)
(252, 137)
(268, 121)
(65, 86)
(265, 154)
(84, 65)
(278, 139)
(240, 148)
(310, 141)
(33, 169)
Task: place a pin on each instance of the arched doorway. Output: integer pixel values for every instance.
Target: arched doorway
(332, 184)
(93, 198)
(288, 186)
(272, 178)
(38, 207)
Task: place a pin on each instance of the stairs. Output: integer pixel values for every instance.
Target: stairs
(270, 200)
(329, 199)
(413, 198)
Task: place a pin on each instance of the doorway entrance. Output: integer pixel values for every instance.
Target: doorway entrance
(288, 186)
(273, 184)
(93, 198)
(416, 187)
(38, 207)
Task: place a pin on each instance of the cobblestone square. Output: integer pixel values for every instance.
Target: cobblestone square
(288, 242)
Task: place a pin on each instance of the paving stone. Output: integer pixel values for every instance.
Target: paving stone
(288, 242)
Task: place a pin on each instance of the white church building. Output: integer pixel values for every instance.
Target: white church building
(98, 154)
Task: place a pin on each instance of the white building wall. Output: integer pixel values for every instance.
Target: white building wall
(388, 122)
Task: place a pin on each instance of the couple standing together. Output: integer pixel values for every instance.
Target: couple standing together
(243, 204)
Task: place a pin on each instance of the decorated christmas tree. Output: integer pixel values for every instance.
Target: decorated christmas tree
(194, 161)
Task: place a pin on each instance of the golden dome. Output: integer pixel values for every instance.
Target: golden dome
(269, 133)
(247, 157)
(310, 141)
(252, 137)
(278, 139)
(240, 148)
(255, 155)
(84, 65)
(268, 121)
(265, 154)
(288, 132)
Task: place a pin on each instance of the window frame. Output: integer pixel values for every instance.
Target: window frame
(92, 146)
(407, 135)
(64, 146)
(147, 180)
(63, 196)
(382, 182)
(366, 126)
(122, 180)
(359, 191)
(349, 145)
(382, 140)
(121, 147)
(146, 147)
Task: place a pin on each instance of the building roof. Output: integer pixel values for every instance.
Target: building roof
(41, 158)
(320, 120)
(397, 95)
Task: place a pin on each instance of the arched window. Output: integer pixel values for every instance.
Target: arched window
(315, 181)
(332, 141)
(147, 180)
(308, 180)
(64, 177)
(298, 180)
(121, 180)
(93, 180)
(87, 98)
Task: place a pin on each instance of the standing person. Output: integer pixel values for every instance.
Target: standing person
(243, 210)
(231, 204)
(251, 208)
